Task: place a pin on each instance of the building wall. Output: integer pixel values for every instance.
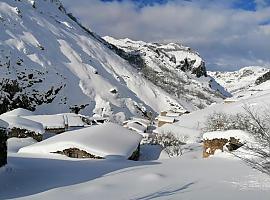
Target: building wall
(3, 148)
(210, 146)
(161, 123)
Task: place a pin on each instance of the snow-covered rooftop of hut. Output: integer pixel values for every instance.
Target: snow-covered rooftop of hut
(57, 121)
(166, 119)
(136, 127)
(22, 123)
(18, 112)
(3, 124)
(143, 122)
(102, 140)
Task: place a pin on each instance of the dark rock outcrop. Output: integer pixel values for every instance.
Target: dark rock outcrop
(263, 78)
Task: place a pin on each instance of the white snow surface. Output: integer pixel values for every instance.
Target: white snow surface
(195, 121)
(48, 121)
(241, 83)
(37, 176)
(242, 136)
(106, 140)
(22, 123)
(18, 112)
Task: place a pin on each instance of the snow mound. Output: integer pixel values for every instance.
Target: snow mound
(242, 136)
(14, 144)
(104, 140)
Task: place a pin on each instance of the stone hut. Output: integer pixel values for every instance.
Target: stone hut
(220, 140)
(96, 142)
(165, 120)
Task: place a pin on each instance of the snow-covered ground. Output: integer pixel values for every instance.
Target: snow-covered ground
(186, 177)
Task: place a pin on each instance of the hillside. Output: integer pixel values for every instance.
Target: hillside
(245, 82)
(77, 70)
(175, 68)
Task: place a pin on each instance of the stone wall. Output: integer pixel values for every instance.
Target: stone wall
(210, 146)
(3, 148)
(77, 153)
(23, 133)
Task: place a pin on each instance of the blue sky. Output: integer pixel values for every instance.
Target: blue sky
(229, 34)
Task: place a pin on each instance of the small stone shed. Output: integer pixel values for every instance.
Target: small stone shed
(96, 142)
(165, 120)
(219, 140)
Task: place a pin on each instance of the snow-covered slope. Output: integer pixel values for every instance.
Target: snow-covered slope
(175, 68)
(48, 62)
(244, 82)
(195, 122)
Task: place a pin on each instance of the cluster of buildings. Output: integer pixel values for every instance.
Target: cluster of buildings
(76, 136)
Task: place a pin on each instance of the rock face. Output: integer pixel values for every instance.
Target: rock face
(265, 77)
(3, 148)
(173, 67)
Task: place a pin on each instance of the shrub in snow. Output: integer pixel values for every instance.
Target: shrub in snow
(169, 142)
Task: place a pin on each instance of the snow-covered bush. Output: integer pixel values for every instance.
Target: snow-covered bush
(257, 124)
(169, 142)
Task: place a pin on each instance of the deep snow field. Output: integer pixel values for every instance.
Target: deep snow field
(187, 177)
(155, 176)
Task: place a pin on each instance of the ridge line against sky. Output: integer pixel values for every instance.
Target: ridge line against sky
(229, 34)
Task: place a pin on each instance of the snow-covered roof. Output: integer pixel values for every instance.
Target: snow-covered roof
(72, 119)
(22, 123)
(135, 126)
(18, 112)
(237, 134)
(104, 140)
(141, 121)
(166, 119)
(3, 124)
(48, 121)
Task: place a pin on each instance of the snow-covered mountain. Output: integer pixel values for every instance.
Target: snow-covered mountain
(50, 63)
(245, 82)
(175, 68)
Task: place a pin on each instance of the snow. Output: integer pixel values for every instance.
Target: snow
(135, 127)
(3, 124)
(187, 177)
(104, 140)
(241, 83)
(242, 136)
(187, 135)
(15, 144)
(48, 121)
(18, 112)
(22, 123)
(166, 119)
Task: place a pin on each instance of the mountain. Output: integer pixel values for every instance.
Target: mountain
(244, 83)
(175, 68)
(51, 63)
